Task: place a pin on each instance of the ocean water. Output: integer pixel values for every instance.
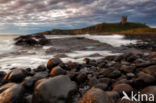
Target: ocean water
(6, 44)
(32, 58)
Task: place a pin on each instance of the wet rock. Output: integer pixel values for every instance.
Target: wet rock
(130, 75)
(6, 86)
(40, 68)
(95, 95)
(125, 101)
(102, 86)
(53, 90)
(123, 87)
(148, 91)
(153, 54)
(31, 40)
(40, 75)
(53, 62)
(150, 70)
(72, 65)
(16, 75)
(2, 74)
(127, 69)
(143, 80)
(81, 78)
(93, 81)
(107, 81)
(113, 95)
(28, 99)
(29, 82)
(14, 94)
(57, 71)
(111, 73)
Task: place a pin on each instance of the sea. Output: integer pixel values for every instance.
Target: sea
(15, 56)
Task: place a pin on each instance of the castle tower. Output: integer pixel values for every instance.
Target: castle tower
(124, 20)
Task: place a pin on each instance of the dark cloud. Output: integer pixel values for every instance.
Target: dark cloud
(38, 15)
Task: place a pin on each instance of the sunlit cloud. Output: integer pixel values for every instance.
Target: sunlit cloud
(21, 16)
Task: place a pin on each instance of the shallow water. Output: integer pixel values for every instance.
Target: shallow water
(6, 44)
(33, 58)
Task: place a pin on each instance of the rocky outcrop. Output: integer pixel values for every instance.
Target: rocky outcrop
(95, 95)
(32, 40)
(53, 90)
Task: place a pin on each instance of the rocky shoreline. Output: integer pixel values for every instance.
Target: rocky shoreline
(94, 81)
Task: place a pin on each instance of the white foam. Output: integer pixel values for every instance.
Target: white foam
(7, 44)
(79, 54)
(114, 40)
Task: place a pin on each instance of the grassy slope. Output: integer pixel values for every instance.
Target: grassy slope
(108, 28)
(140, 31)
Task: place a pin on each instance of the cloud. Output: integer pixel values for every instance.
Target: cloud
(48, 14)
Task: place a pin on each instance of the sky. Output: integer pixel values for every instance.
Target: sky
(31, 16)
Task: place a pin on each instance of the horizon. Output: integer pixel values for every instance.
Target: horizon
(31, 16)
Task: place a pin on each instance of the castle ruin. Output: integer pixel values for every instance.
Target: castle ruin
(124, 20)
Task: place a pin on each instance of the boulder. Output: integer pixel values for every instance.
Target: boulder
(123, 87)
(57, 71)
(29, 82)
(149, 90)
(53, 62)
(14, 94)
(102, 86)
(6, 86)
(31, 40)
(53, 90)
(153, 54)
(16, 75)
(81, 77)
(40, 68)
(2, 75)
(143, 80)
(95, 95)
(127, 69)
(126, 101)
(113, 95)
(111, 73)
(150, 70)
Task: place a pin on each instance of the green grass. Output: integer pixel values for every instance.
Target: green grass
(110, 28)
(140, 31)
(105, 28)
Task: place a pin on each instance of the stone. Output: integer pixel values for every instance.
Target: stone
(28, 99)
(81, 77)
(6, 86)
(149, 90)
(102, 86)
(125, 101)
(127, 69)
(16, 75)
(53, 90)
(40, 68)
(95, 95)
(53, 62)
(111, 73)
(143, 80)
(92, 81)
(113, 95)
(123, 87)
(130, 75)
(150, 70)
(153, 54)
(14, 94)
(57, 71)
(107, 81)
